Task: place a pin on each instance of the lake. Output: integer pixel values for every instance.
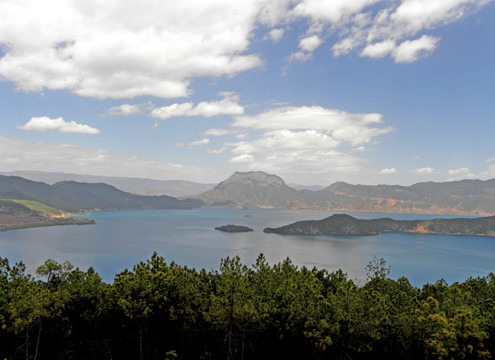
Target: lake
(120, 239)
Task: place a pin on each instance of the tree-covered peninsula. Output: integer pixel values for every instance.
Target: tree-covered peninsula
(342, 224)
(161, 310)
(21, 214)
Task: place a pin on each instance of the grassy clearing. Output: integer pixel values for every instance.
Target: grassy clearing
(38, 207)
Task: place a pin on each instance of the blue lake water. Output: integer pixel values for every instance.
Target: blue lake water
(120, 239)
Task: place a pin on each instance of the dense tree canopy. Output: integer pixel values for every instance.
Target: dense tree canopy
(166, 311)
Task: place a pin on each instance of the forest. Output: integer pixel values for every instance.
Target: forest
(161, 310)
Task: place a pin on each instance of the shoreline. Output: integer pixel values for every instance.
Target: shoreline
(47, 222)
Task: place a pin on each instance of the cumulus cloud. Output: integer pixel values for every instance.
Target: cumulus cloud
(306, 45)
(388, 171)
(423, 171)
(410, 50)
(275, 35)
(123, 49)
(461, 173)
(229, 105)
(219, 132)
(23, 155)
(378, 32)
(379, 50)
(330, 11)
(201, 142)
(242, 159)
(341, 126)
(44, 123)
(125, 110)
(295, 141)
(300, 56)
(310, 43)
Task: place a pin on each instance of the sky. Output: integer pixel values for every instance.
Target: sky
(315, 91)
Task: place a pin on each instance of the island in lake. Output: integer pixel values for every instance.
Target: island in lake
(233, 228)
(341, 224)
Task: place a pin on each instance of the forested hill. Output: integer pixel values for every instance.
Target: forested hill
(166, 311)
(257, 189)
(73, 196)
(20, 214)
(341, 224)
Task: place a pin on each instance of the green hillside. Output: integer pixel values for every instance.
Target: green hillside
(342, 224)
(74, 197)
(38, 207)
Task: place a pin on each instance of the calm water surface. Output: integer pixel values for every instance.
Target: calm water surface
(120, 239)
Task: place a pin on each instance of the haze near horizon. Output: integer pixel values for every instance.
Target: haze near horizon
(361, 91)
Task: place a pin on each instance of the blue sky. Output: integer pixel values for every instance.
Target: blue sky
(363, 91)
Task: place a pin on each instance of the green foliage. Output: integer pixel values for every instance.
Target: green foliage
(159, 310)
(38, 207)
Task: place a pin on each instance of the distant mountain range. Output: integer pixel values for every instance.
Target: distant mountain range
(258, 189)
(342, 224)
(262, 190)
(138, 186)
(72, 196)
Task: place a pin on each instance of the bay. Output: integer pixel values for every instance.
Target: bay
(120, 239)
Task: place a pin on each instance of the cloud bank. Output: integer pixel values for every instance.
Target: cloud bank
(23, 155)
(295, 141)
(125, 49)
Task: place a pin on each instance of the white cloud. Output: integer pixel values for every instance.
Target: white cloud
(174, 110)
(75, 159)
(399, 23)
(44, 123)
(289, 153)
(358, 149)
(199, 143)
(295, 141)
(489, 173)
(410, 50)
(272, 12)
(388, 171)
(229, 105)
(281, 140)
(415, 15)
(307, 46)
(357, 129)
(242, 159)
(379, 50)
(460, 174)
(423, 171)
(276, 35)
(124, 49)
(300, 56)
(125, 110)
(216, 151)
(219, 132)
(310, 43)
(332, 11)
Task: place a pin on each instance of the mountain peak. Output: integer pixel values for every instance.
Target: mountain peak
(253, 178)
